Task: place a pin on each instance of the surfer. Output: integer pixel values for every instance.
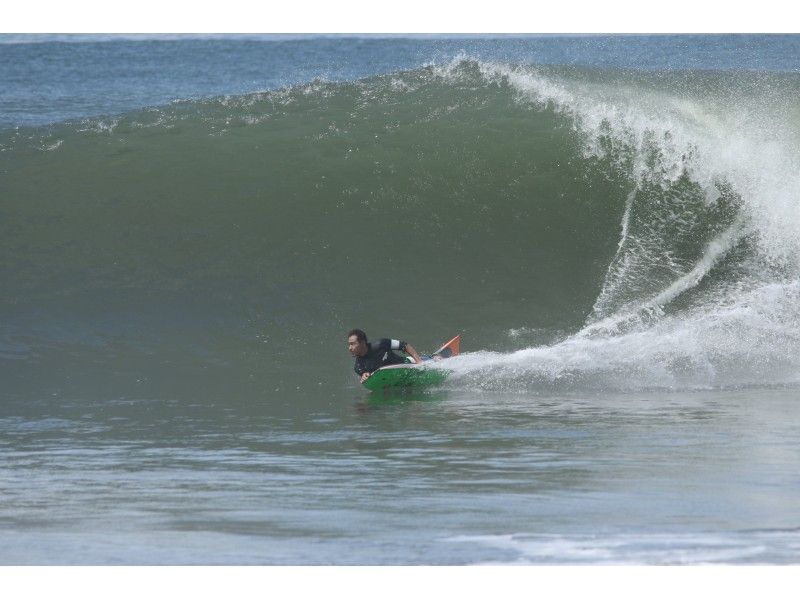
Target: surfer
(371, 356)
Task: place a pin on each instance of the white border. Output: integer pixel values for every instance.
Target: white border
(421, 16)
(402, 582)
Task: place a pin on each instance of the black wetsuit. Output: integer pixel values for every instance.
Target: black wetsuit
(380, 354)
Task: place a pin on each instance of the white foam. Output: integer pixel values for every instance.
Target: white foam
(741, 344)
(756, 547)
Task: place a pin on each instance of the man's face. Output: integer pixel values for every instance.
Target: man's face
(356, 347)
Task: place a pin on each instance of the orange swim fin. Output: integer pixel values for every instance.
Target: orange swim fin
(451, 348)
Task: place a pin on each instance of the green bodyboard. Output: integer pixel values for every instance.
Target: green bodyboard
(405, 376)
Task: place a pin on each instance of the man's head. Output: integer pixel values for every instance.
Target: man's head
(357, 342)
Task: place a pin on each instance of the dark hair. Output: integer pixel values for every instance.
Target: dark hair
(358, 333)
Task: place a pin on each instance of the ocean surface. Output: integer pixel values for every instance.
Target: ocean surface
(189, 226)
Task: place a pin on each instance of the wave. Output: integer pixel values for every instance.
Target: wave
(587, 228)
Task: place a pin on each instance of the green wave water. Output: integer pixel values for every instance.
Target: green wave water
(580, 227)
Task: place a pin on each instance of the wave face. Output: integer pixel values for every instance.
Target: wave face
(583, 228)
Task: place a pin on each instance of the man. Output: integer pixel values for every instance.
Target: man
(371, 356)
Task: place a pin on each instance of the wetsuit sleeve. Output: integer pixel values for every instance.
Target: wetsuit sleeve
(395, 345)
(359, 367)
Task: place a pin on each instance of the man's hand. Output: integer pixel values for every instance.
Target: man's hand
(364, 376)
(413, 352)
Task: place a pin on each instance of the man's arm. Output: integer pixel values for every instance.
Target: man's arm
(413, 352)
(404, 347)
(360, 371)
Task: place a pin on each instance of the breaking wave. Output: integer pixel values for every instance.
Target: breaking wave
(583, 228)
